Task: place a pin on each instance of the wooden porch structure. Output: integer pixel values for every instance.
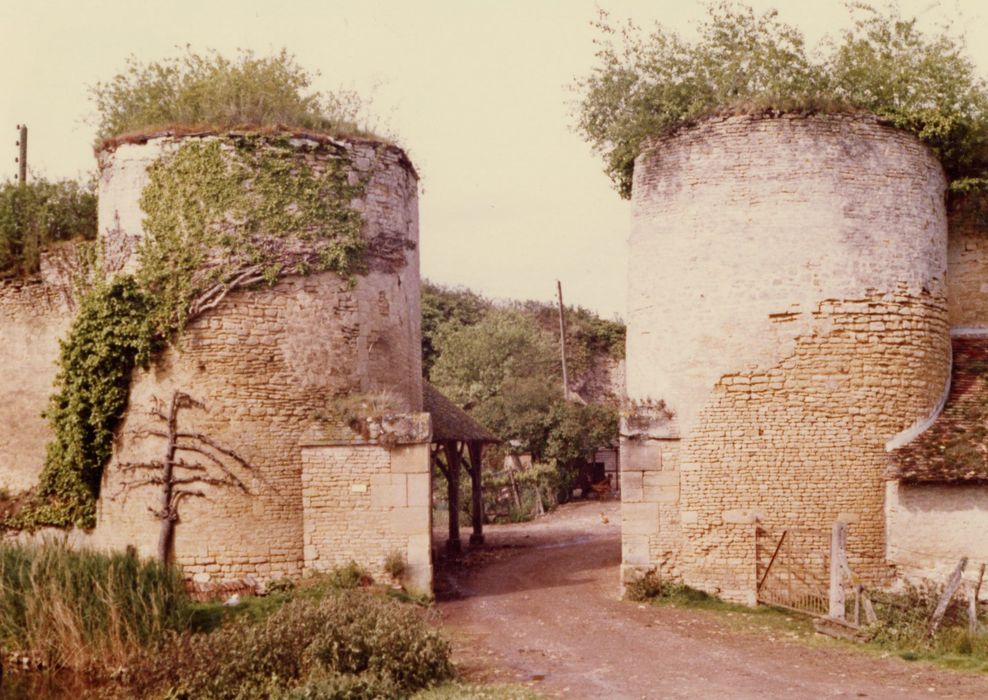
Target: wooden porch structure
(457, 443)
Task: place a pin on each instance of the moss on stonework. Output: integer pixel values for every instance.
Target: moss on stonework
(219, 215)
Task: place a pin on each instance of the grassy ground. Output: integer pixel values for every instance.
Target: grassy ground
(952, 648)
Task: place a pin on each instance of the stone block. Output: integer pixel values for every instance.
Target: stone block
(641, 455)
(634, 550)
(419, 489)
(631, 487)
(388, 491)
(407, 459)
(410, 521)
(639, 518)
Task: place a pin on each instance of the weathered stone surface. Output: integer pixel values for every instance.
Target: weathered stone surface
(787, 302)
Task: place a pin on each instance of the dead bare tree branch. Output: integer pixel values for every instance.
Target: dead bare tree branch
(173, 471)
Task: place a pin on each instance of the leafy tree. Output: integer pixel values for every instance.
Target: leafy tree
(39, 213)
(444, 308)
(741, 61)
(924, 84)
(505, 371)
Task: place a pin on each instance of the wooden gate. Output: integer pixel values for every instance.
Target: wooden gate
(794, 569)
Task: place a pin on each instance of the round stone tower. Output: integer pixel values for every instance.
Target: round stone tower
(786, 322)
(267, 361)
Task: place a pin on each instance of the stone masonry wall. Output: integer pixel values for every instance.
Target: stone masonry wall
(365, 502)
(264, 365)
(931, 526)
(967, 265)
(34, 314)
(787, 303)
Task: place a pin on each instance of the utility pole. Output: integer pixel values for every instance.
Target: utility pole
(22, 160)
(562, 339)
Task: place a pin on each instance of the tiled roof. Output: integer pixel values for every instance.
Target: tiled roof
(449, 421)
(955, 448)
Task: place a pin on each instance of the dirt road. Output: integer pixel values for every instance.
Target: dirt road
(541, 605)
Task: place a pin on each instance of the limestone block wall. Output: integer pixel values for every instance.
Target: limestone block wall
(365, 502)
(35, 312)
(264, 365)
(967, 264)
(787, 303)
(931, 526)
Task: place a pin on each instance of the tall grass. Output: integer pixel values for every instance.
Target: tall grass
(84, 609)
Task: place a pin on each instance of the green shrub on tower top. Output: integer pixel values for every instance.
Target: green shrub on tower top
(741, 62)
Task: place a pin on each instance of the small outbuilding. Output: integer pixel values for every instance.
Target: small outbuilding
(937, 491)
(458, 441)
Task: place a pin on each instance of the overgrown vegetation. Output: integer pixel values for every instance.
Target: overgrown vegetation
(110, 336)
(902, 628)
(219, 215)
(207, 90)
(82, 609)
(646, 84)
(343, 644)
(39, 213)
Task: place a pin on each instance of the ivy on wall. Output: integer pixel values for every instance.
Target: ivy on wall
(220, 214)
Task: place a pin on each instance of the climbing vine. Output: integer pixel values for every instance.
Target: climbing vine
(223, 214)
(220, 214)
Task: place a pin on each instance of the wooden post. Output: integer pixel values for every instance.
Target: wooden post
(838, 547)
(22, 159)
(562, 339)
(477, 511)
(948, 593)
(972, 602)
(453, 496)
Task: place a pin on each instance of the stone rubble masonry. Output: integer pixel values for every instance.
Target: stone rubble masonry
(266, 364)
(967, 265)
(787, 301)
(35, 312)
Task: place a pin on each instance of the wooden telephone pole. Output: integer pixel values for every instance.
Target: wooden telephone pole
(22, 159)
(562, 339)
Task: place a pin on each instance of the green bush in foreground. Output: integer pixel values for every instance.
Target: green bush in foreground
(84, 609)
(348, 643)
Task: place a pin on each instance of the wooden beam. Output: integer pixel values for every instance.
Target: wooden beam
(948, 593)
(838, 548)
(476, 450)
(453, 496)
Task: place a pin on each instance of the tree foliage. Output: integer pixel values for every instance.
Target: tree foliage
(444, 307)
(34, 215)
(505, 370)
(645, 84)
(208, 90)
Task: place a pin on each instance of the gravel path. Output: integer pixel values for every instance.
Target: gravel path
(540, 605)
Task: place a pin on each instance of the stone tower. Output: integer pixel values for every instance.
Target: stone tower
(266, 365)
(787, 323)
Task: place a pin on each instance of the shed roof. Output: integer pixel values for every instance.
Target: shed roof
(449, 421)
(955, 448)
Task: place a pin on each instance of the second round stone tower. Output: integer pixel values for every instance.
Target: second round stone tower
(787, 323)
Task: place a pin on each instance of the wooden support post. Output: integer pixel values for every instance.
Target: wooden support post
(453, 496)
(972, 603)
(477, 511)
(948, 593)
(838, 548)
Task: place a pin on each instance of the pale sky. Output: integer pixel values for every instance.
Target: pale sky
(477, 92)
